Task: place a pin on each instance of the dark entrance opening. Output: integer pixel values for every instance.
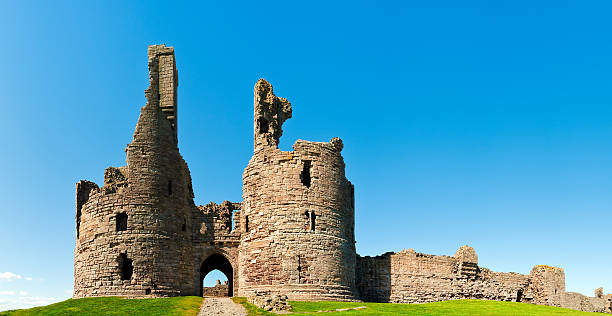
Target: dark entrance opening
(519, 295)
(217, 262)
(125, 267)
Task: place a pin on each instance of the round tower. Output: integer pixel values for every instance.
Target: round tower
(132, 233)
(297, 218)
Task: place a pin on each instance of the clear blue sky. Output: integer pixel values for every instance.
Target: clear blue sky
(487, 123)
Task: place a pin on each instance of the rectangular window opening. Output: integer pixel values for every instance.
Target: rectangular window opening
(121, 222)
(169, 187)
(305, 175)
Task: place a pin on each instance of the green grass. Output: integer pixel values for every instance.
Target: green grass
(184, 305)
(189, 305)
(252, 310)
(456, 307)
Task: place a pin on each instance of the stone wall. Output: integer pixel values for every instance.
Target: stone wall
(411, 277)
(215, 243)
(297, 218)
(219, 290)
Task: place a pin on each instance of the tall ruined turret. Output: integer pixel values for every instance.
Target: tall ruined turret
(297, 218)
(132, 236)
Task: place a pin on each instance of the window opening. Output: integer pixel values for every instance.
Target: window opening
(234, 218)
(169, 187)
(246, 223)
(313, 217)
(125, 267)
(184, 226)
(78, 222)
(299, 269)
(121, 222)
(263, 125)
(305, 175)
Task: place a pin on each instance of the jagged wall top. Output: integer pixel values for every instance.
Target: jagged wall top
(163, 82)
(270, 114)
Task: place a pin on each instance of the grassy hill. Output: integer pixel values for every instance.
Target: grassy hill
(189, 305)
(183, 305)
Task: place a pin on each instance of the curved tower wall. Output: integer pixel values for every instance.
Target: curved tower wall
(133, 236)
(297, 217)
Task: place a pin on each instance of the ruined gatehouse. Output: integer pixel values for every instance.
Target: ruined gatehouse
(141, 235)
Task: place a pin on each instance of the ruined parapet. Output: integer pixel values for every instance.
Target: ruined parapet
(84, 189)
(270, 114)
(134, 238)
(114, 179)
(216, 221)
(411, 277)
(297, 218)
(467, 261)
(167, 81)
(547, 285)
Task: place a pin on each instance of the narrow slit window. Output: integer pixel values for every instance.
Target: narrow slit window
(78, 223)
(313, 218)
(126, 268)
(121, 222)
(246, 223)
(305, 175)
(184, 226)
(169, 187)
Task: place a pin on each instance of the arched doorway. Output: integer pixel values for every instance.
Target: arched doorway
(217, 261)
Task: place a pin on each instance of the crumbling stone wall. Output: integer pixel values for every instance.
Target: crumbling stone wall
(411, 277)
(219, 290)
(297, 217)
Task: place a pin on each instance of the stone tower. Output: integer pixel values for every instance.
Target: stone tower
(297, 218)
(132, 233)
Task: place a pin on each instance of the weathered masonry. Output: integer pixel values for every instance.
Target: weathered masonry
(141, 235)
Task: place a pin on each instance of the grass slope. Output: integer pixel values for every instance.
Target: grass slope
(184, 305)
(456, 307)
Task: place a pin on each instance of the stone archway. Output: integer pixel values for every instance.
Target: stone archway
(219, 262)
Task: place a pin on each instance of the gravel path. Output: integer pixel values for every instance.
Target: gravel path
(221, 306)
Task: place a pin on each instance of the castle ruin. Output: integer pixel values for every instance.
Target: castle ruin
(141, 235)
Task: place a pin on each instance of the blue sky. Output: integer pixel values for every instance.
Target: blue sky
(487, 123)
